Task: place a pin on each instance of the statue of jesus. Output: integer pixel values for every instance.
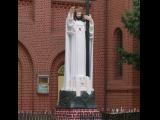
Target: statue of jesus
(75, 78)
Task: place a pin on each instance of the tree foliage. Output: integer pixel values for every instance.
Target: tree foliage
(129, 58)
(131, 20)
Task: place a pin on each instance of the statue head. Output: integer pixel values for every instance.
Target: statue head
(78, 14)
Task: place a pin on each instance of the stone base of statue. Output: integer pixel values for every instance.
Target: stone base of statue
(68, 99)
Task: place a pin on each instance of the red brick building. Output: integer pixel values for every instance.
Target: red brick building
(41, 28)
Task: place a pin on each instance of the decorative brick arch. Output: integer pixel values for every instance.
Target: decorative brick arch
(57, 62)
(19, 84)
(25, 10)
(26, 80)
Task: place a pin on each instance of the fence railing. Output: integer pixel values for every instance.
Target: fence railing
(90, 117)
(121, 116)
(104, 116)
(35, 116)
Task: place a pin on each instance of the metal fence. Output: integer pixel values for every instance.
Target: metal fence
(90, 117)
(121, 116)
(35, 116)
(104, 116)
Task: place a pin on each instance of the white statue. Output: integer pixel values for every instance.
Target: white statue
(75, 78)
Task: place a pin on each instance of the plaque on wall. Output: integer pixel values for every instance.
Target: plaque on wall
(43, 84)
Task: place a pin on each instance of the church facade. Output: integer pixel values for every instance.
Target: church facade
(41, 44)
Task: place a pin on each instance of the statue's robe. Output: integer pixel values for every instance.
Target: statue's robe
(75, 78)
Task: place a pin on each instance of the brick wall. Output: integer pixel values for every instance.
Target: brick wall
(77, 114)
(119, 92)
(41, 51)
(25, 79)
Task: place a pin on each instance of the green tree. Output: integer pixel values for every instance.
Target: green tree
(131, 20)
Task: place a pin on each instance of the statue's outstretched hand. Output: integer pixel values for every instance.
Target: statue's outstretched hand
(88, 17)
(72, 9)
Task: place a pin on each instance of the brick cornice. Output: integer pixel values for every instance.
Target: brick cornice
(70, 2)
(126, 88)
(25, 2)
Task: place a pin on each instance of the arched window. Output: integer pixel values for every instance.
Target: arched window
(118, 36)
(60, 78)
(61, 71)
